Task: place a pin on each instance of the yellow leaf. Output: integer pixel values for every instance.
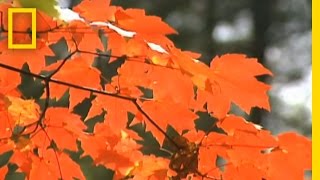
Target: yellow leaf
(24, 112)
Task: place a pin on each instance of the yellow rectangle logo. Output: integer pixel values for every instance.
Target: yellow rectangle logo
(33, 28)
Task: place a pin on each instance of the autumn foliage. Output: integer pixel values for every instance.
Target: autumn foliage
(121, 62)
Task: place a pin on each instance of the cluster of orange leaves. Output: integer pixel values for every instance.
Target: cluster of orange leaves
(172, 74)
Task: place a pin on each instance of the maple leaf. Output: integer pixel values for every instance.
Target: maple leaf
(243, 147)
(25, 112)
(167, 113)
(61, 126)
(47, 166)
(248, 149)
(244, 136)
(230, 78)
(78, 35)
(7, 123)
(235, 77)
(16, 114)
(244, 172)
(301, 144)
(150, 167)
(120, 46)
(71, 72)
(196, 70)
(137, 21)
(3, 172)
(5, 145)
(179, 88)
(207, 162)
(88, 39)
(114, 149)
(21, 156)
(18, 57)
(291, 158)
(98, 10)
(117, 110)
(9, 81)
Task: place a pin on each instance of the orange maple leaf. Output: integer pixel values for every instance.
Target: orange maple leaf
(234, 77)
(24, 112)
(71, 72)
(230, 78)
(3, 172)
(167, 113)
(136, 20)
(61, 126)
(117, 111)
(98, 10)
(46, 166)
(111, 148)
(150, 167)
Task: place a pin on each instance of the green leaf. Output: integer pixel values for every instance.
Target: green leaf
(50, 7)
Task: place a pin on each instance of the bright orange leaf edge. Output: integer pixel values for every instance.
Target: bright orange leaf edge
(152, 62)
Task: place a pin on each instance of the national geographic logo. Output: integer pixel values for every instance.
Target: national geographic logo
(31, 45)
